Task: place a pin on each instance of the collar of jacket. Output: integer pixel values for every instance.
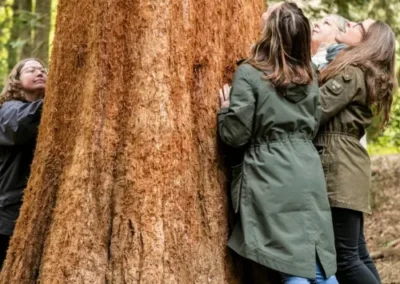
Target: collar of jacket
(333, 51)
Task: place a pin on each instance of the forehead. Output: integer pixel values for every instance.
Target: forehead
(31, 63)
(328, 18)
(331, 18)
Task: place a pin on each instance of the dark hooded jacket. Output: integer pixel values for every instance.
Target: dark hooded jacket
(18, 131)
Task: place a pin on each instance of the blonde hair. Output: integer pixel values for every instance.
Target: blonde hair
(340, 22)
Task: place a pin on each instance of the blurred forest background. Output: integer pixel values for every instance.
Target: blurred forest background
(27, 29)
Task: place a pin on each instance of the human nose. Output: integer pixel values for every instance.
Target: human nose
(40, 73)
(351, 24)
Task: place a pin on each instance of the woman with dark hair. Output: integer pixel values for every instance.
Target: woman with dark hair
(279, 191)
(20, 108)
(359, 80)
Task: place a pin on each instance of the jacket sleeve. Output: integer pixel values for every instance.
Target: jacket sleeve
(318, 112)
(235, 123)
(337, 93)
(19, 122)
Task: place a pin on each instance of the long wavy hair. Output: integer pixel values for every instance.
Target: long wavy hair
(12, 88)
(375, 55)
(284, 51)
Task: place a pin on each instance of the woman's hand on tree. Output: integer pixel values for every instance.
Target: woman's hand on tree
(224, 95)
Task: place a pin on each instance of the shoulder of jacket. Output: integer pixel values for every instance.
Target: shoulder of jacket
(249, 72)
(8, 105)
(252, 72)
(353, 73)
(13, 103)
(246, 67)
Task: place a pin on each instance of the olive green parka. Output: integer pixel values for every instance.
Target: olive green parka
(279, 191)
(345, 116)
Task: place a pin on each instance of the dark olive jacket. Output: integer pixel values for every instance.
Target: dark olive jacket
(279, 190)
(345, 116)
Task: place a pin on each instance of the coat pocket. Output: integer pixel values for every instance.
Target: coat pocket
(236, 186)
(335, 87)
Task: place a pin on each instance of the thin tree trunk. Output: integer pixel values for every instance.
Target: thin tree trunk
(42, 30)
(26, 28)
(14, 35)
(127, 185)
(20, 31)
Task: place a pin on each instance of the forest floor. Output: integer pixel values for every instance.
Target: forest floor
(382, 228)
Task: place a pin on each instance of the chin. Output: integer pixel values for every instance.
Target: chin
(315, 38)
(40, 87)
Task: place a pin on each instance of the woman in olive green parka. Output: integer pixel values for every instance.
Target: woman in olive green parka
(359, 78)
(279, 190)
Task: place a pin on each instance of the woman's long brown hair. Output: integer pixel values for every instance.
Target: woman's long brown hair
(284, 51)
(375, 55)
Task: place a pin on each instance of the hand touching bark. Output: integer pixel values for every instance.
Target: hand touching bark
(224, 95)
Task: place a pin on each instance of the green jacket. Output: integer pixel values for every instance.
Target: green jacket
(345, 116)
(279, 190)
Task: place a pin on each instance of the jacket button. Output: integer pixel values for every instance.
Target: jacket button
(347, 77)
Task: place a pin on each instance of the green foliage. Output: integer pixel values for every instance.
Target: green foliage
(18, 23)
(390, 137)
(5, 26)
(382, 147)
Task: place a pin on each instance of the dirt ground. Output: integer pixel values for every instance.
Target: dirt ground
(382, 228)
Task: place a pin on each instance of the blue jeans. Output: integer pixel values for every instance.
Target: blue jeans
(320, 278)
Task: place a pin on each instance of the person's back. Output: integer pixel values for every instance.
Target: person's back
(281, 181)
(279, 190)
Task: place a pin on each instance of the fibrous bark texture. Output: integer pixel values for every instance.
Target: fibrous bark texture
(127, 185)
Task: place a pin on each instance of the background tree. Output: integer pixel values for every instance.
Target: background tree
(25, 27)
(19, 44)
(42, 29)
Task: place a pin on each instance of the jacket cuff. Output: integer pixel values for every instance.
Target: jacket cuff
(223, 110)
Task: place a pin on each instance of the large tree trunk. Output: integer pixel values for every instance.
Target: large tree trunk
(127, 185)
(42, 30)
